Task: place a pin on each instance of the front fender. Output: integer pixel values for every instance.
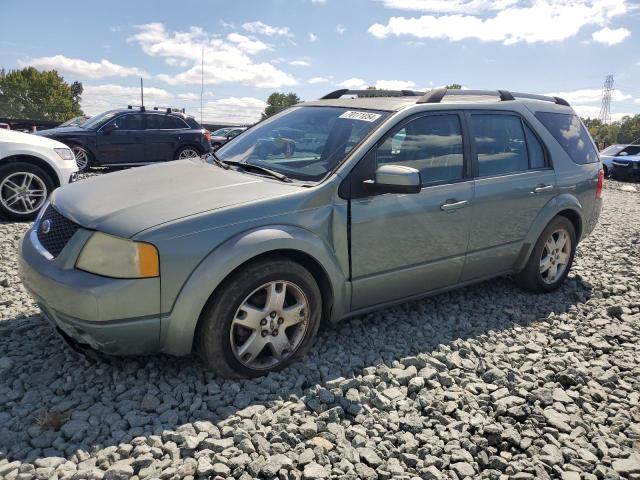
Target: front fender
(557, 204)
(178, 327)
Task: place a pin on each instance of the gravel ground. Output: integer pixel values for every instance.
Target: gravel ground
(483, 382)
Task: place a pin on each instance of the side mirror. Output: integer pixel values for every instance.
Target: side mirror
(396, 179)
(109, 128)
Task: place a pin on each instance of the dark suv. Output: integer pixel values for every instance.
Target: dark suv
(133, 136)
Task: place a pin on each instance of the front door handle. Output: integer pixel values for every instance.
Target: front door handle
(452, 205)
(542, 188)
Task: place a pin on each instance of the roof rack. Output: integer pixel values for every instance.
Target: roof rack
(437, 94)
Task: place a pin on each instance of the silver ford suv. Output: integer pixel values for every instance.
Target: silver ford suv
(327, 210)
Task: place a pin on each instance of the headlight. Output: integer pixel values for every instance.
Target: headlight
(64, 153)
(118, 257)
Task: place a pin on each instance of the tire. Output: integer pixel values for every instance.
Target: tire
(606, 171)
(188, 151)
(19, 204)
(535, 277)
(221, 337)
(84, 158)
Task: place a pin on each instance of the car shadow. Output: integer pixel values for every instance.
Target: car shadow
(53, 402)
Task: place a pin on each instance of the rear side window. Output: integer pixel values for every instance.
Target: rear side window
(500, 144)
(164, 122)
(568, 130)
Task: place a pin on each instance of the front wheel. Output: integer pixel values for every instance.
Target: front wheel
(551, 258)
(83, 158)
(24, 189)
(187, 152)
(260, 319)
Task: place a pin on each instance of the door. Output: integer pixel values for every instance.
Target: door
(162, 136)
(407, 244)
(121, 141)
(514, 180)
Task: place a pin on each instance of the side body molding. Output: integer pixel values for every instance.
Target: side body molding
(557, 204)
(178, 327)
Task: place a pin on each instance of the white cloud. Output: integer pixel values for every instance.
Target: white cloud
(300, 63)
(233, 110)
(609, 36)
(395, 85)
(318, 2)
(228, 60)
(353, 83)
(316, 80)
(313, 38)
(98, 98)
(82, 68)
(268, 30)
(637, 101)
(504, 21)
(589, 95)
(592, 111)
(340, 29)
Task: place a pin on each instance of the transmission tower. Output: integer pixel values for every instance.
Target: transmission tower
(605, 109)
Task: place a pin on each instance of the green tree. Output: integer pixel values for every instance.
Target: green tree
(30, 93)
(454, 86)
(278, 102)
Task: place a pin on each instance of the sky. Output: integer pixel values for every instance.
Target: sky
(311, 47)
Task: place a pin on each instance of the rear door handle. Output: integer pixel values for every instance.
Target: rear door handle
(452, 205)
(542, 188)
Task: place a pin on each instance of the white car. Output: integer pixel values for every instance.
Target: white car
(31, 167)
(609, 154)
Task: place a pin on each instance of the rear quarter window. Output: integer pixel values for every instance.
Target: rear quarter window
(570, 133)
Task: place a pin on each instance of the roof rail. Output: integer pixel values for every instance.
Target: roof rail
(141, 107)
(437, 94)
(156, 108)
(371, 93)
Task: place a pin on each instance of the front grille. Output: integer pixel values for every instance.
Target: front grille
(55, 231)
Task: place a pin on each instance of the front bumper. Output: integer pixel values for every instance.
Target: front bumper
(116, 316)
(626, 169)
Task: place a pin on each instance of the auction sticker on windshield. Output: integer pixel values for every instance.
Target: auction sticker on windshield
(364, 116)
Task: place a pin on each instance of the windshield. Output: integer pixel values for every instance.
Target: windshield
(303, 143)
(98, 120)
(612, 150)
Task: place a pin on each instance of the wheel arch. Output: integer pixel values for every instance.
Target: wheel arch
(284, 241)
(565, 205)
(34, 160)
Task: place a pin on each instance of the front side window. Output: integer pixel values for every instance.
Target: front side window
(303, 143)
(431, 144)
(130, 122)
(500, 144)
(570, 133)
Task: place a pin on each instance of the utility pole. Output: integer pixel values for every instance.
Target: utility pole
(605, 109)
(141, 93)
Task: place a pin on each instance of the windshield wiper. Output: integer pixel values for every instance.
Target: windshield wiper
(215, 160)
(248, 166)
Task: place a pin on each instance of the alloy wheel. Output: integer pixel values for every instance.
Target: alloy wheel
(23, 193)
(269, 325)
(82, 157)
(555, 257)
(188, 153)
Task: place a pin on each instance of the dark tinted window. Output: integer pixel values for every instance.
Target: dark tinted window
(536, 152)
(130, 122)
(568, 130)
(431, 144)
(164, 122)
(632, 150)
(500, 144)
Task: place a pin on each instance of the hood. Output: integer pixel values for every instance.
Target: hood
(63, 131)
(627, 159)
(28, 139)
(127, 202)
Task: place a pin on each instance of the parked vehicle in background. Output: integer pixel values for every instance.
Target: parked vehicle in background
(612, 152)
(31, 168)
(75, 121)
(626, 167)
(133, 136)
(5, 126)
(243, 256)
(223, 135)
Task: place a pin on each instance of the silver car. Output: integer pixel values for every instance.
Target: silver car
(325, 211)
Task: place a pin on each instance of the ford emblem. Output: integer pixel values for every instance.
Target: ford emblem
(46, 226)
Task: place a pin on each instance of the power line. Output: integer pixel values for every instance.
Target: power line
(605, 109)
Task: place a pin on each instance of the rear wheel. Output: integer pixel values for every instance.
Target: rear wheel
(24, 189)
(187, 152)
(551, 258)
(260, 319)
